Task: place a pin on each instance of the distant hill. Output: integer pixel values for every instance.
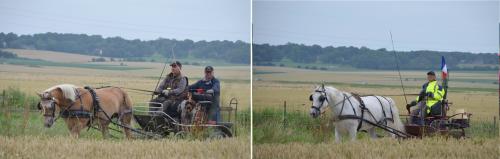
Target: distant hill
(317, 57)
(51, 56)
(237, 52)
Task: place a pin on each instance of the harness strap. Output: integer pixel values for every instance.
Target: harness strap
(362, 106)
(342, 108)
(384, 127)
(75, 114)
(95, 103)
(383, 112)
(390, 109)
(68, 113)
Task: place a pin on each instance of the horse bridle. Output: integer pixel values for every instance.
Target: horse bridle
(322, 99)
(53, 106)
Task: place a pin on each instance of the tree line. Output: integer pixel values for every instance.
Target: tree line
(117, 47)
(365, 58)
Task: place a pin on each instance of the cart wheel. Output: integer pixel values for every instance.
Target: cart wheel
(180, 135)
(217, 134)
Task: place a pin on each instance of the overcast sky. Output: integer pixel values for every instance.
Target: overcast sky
(131, 19)
(425, 25)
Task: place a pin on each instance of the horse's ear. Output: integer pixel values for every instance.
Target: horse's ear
(314, 86)
(39, 94)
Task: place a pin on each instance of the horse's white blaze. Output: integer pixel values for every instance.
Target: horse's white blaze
(68, 91)
(349, 126)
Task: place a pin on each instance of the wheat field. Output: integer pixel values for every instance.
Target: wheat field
(476, 92)
(384, 148)
(65, 147)
(35, 141)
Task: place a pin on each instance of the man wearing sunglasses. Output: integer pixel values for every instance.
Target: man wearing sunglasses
(210, 85)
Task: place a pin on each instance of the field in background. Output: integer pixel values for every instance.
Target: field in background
(52, 56)
(293, 134)
(142, 75)
(270, 90)
(21, 130)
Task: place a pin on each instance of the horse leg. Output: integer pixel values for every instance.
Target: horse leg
(73, 128)
(103, 125)
(337, 135)
(392, 125)
(353, 132)
(126, 119)
(75, 132)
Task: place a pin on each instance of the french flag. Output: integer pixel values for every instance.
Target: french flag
(444, 69)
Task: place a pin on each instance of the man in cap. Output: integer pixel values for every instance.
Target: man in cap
(210, 85)
(432, 95)
(172, 90)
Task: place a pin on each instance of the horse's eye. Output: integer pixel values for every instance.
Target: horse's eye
(322, 98)
(311, 97)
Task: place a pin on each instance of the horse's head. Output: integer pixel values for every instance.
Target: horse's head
(319, 100)
(47, 105)
(52, 98)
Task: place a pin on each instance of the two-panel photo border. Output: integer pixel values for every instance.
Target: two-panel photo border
(249, 79)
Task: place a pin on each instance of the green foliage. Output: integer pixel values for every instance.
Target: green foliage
(131, 50)
(5, 54)
(275, 126)
(365, 58)
(99, 59)
(14, 98)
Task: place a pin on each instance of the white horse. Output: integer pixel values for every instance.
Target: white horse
(347, 111)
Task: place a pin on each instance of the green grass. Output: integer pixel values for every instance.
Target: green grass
(272, 126)
(20, 117)
(41, 63)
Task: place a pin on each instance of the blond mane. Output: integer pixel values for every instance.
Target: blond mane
(68, 91)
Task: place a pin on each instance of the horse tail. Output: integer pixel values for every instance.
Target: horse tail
(398, 124)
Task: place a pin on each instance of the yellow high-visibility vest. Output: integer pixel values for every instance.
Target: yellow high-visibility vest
(436, 90)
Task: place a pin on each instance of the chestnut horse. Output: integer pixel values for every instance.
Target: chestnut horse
(76, 106)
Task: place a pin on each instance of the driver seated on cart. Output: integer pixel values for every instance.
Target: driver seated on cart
(210, 85)
(432, 96)
(172, 91)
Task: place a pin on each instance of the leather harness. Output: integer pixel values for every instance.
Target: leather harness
(361, 105)
(81, 113)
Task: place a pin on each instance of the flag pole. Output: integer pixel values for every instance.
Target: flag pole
(445, 76)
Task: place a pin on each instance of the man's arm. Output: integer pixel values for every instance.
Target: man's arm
(216, 86)
(438, 93)
(195, 85)
(160, 87)
(181, 87)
